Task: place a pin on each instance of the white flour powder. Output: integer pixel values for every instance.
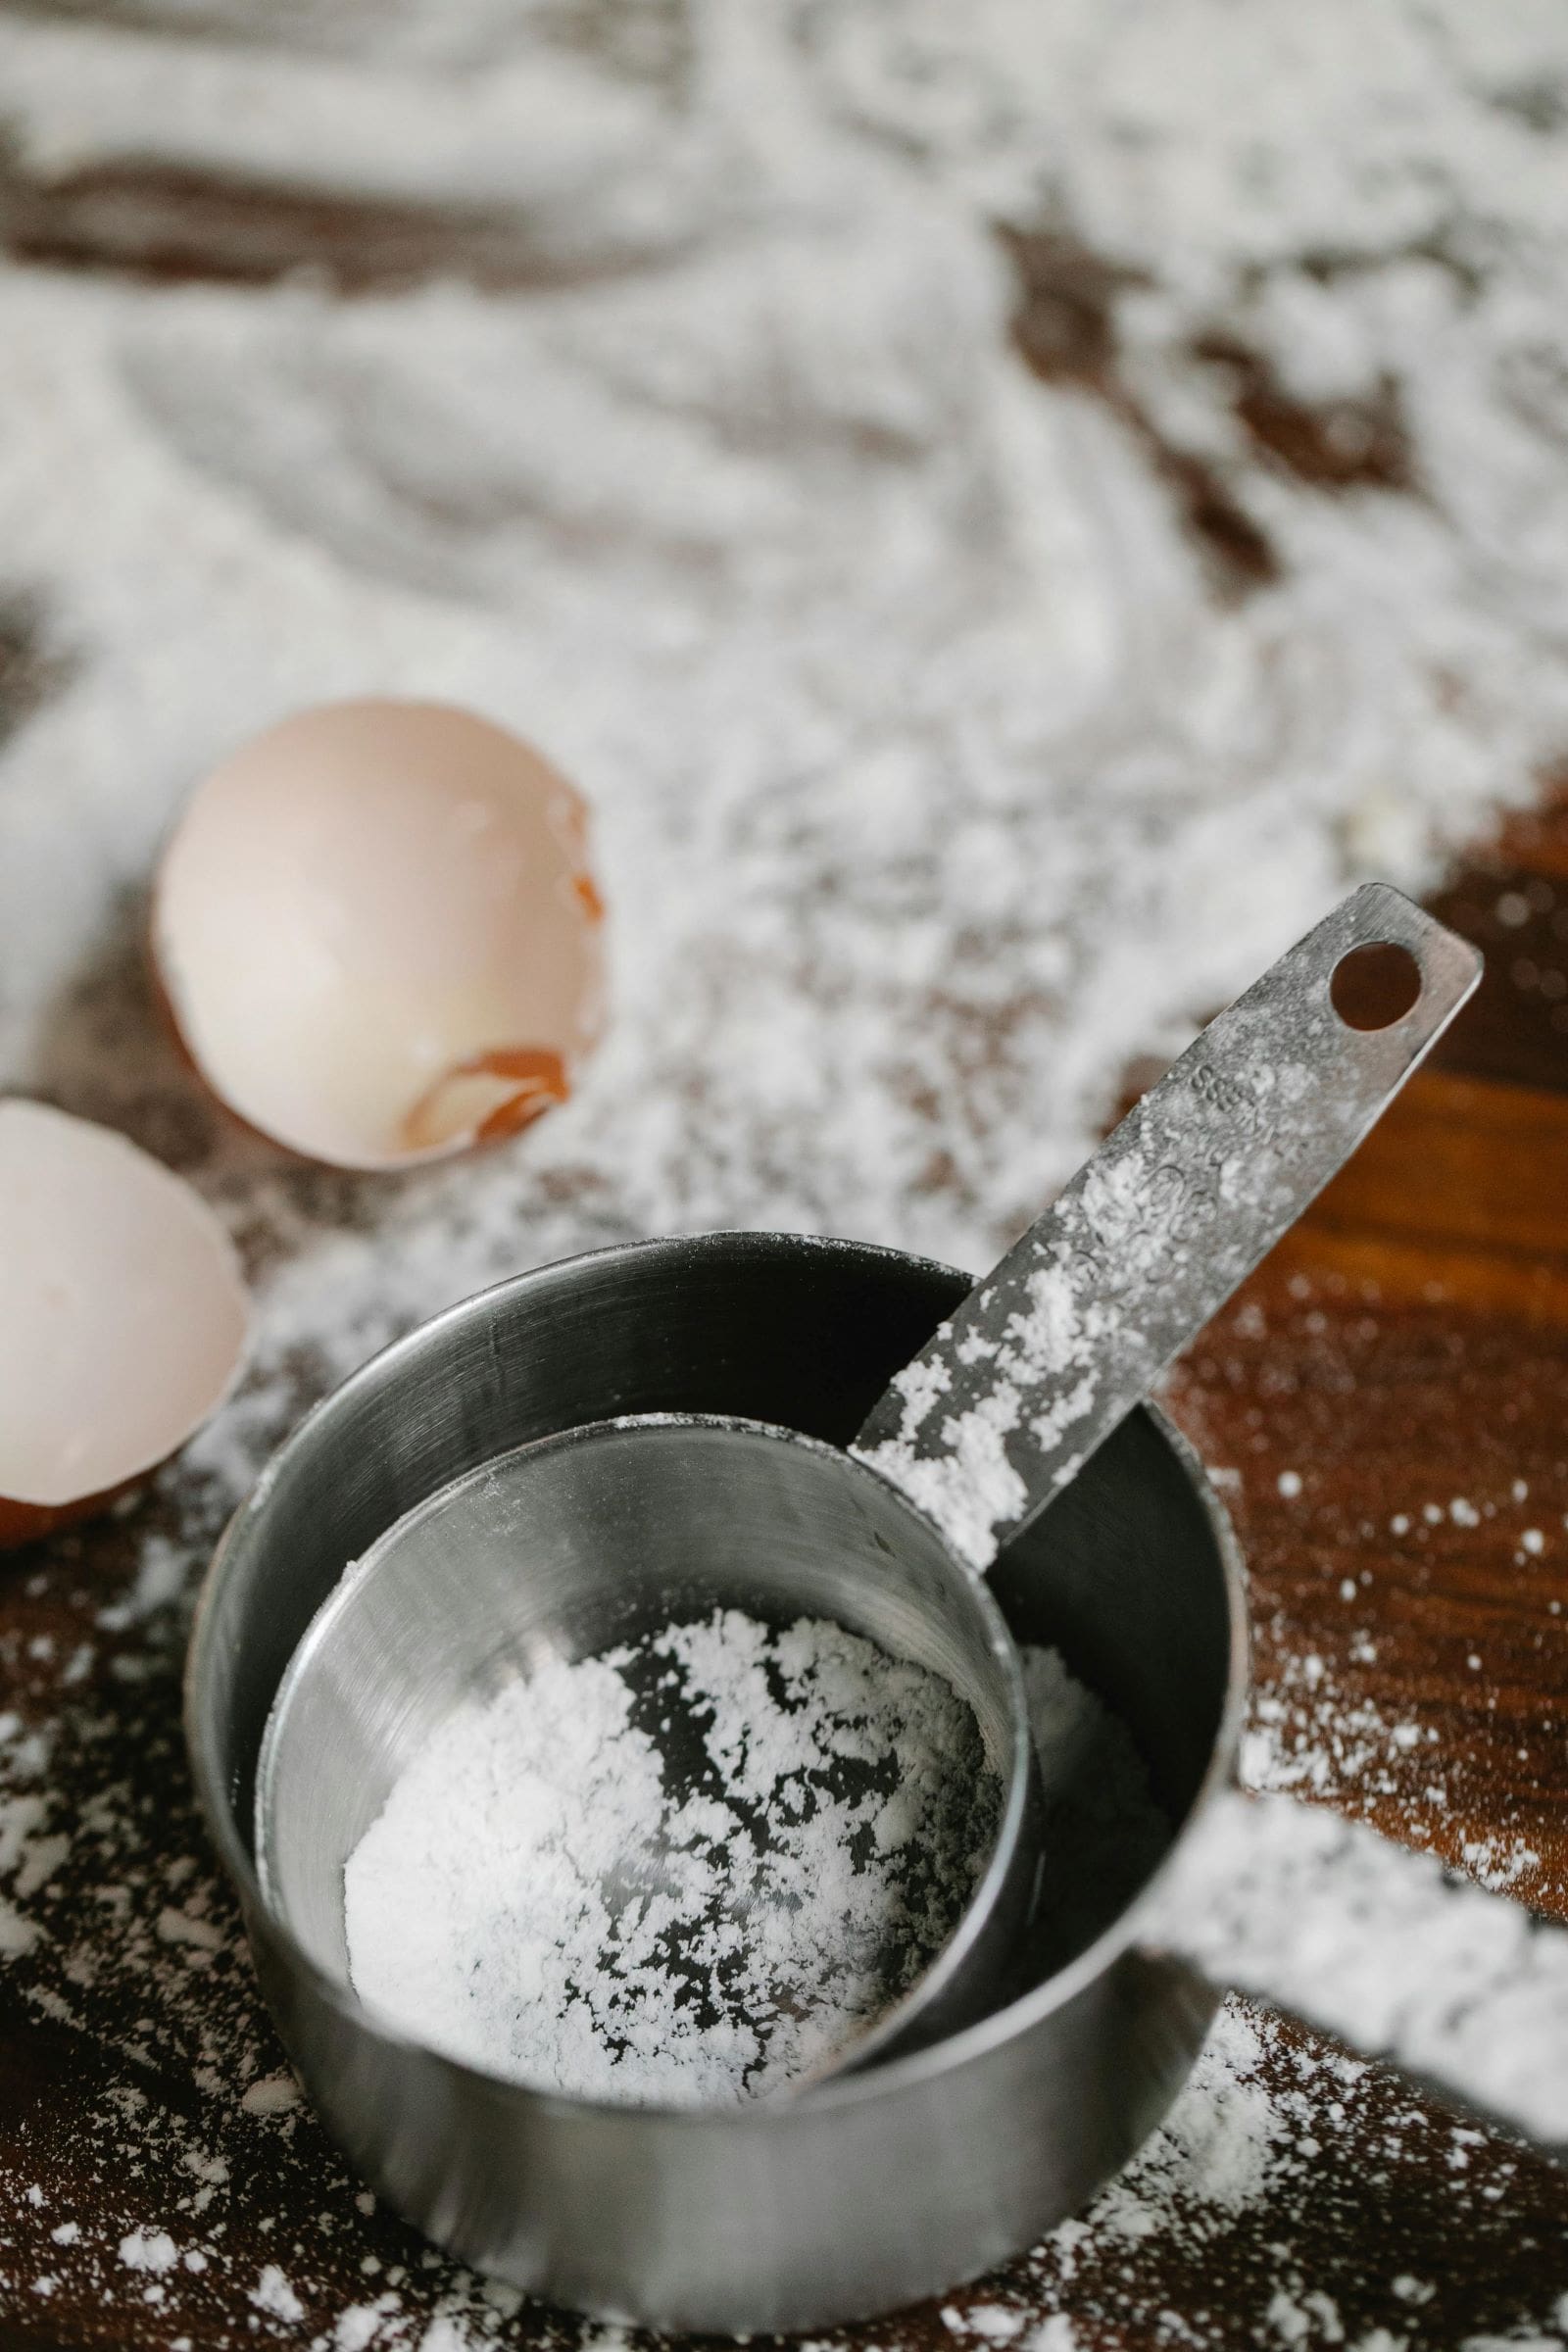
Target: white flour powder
(685, 1872)
(930, 777)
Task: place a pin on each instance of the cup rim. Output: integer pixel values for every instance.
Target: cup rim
(848, 2089)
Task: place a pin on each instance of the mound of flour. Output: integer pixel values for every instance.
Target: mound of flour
(683, 1871)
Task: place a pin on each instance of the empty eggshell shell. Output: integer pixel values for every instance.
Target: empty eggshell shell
(377, 933)
(122, 1316)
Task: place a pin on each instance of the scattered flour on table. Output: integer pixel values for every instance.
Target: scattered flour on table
(932, 776)
(273, 2293)
(685, 1872)
(1219, 2148)
(148, 2250)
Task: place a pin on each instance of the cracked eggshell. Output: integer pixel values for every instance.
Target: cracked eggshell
(377, 933)
(122, 1316)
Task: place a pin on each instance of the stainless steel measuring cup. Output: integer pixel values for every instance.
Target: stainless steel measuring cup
(879, 2187)
(582, 1542)
(557, 1548)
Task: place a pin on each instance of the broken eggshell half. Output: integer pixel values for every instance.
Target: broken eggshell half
(378, 934)
(122, 1316)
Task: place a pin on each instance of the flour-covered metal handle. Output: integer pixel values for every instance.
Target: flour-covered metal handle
(1383, 1948)
(1151, 1238)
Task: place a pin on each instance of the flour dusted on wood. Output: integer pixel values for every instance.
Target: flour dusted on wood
(931, 775)
(682, 1873)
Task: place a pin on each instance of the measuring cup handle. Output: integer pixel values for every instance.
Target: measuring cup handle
(1150, 1239)
(1378, 1945)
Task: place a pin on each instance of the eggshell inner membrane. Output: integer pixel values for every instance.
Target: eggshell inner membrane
(378, 935)
(123, 1313)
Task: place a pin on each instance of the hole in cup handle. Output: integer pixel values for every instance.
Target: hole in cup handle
(1374, 985)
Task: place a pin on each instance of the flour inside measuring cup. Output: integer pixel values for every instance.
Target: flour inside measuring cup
(684, 1872)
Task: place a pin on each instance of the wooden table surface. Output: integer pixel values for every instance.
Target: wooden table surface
(1387, 1405)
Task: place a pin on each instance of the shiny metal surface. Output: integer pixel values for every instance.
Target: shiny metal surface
(1186, 1195)
(574, 1543)
(875, 2188)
